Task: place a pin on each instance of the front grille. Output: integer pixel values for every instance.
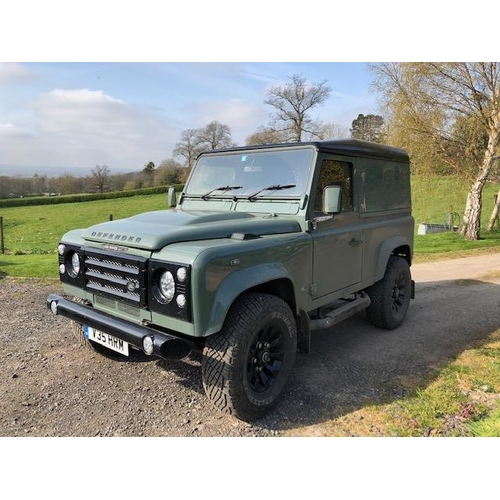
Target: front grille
(116, 276)
(116, 305)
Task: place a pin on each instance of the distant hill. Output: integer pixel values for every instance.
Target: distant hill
(27, 171)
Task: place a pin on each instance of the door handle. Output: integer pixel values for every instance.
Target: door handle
(354, 242)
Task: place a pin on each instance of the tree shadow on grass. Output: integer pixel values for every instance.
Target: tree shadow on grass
(3, 267)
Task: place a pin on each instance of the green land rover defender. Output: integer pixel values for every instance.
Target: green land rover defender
(265, 245)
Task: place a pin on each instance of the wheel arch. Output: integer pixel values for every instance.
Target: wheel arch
(396, 245)
(269, 279)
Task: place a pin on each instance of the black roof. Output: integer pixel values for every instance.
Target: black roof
(347, 147)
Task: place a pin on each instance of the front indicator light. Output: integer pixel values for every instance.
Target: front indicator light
(62, 268)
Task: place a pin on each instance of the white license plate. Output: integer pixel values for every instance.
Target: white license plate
(106, 339)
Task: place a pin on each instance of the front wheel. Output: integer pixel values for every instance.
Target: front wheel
(246, 366)
(390, 297)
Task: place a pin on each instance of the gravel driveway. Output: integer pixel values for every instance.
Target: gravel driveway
(52, 385)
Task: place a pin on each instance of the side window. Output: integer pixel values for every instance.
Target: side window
(384, 186)
(334, 173)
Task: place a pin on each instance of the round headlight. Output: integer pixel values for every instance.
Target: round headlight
(167, 286)
(73, 265)
(181, 274)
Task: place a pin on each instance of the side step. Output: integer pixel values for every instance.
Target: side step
(342, 312)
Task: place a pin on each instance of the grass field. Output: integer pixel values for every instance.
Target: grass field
(31, 234)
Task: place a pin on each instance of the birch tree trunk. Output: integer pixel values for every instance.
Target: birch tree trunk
(494, 214)
(471, 223)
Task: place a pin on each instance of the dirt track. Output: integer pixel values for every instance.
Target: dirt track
(53, 386)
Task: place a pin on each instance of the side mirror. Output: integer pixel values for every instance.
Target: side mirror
(171, 198)
(332, 200)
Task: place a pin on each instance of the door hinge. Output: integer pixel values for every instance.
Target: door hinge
(313, 289)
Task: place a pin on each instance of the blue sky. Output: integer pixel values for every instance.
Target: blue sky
(79, 115)
(71, 98)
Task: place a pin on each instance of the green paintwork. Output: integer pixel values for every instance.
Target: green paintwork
(155, 230)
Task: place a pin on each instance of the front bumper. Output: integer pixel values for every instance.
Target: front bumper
(164, 345)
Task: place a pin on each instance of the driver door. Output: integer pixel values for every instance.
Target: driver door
(337, 239)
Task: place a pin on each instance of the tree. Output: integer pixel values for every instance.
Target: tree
(266, 135)
(99, 179)
(368, 128)
(332, 130)
(170, 172)
(293, 103)
(189, 147)
(494, 219)
(442, 103)
(149, 168)
(215, 135)
(149, 173)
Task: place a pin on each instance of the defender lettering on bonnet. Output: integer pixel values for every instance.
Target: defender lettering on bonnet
(116, 237)
(266, 245)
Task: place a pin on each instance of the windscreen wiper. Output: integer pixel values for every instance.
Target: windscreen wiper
(273, 187)
(222, 188)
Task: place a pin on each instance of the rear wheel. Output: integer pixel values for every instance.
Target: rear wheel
(390, 297)
(246, 366)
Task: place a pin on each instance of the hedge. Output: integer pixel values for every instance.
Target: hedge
(78, 198)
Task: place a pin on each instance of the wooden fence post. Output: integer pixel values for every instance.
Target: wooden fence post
(2, 246)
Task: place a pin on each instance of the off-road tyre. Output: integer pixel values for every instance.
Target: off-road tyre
(390, 297)
(246, 366)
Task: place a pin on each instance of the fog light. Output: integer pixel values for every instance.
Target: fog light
(53, 306)
(147, 345)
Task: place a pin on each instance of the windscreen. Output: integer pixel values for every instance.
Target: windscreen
(247, 172)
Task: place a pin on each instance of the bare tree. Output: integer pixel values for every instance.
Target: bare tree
(215, 135)
(99, 179)
(189, 147)
(432, 98)
(293, 103)
(332, 130)
(266, 135)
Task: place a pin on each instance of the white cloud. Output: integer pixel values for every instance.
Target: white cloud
(9, 131)
(83, 128)
(14, 72)
(80, 111)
